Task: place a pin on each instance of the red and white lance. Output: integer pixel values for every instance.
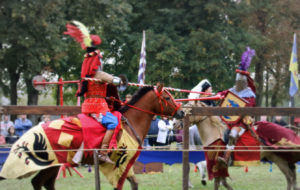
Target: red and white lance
(39, 84)
(212, 96)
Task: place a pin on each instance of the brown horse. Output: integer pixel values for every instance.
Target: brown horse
(211, 130)
(137, 116)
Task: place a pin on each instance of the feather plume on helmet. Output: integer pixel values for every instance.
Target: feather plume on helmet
(91, 62)
(246, 61)
(81, 34)
(242, 72)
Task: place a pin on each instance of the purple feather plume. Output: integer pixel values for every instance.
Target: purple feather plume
(246, 59)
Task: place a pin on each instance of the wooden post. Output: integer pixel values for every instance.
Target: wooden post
(292, 104)
(185, 154)
(96, 167)
(78, 98)
(61, 94)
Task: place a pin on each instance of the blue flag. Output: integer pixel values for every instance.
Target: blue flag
(294, 69)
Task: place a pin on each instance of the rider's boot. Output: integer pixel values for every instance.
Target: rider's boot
(103, 154)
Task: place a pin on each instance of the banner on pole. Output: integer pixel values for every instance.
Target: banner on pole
(142, 65)
(294, 69)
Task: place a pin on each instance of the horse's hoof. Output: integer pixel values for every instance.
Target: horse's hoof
(190, 185)
(203, 182)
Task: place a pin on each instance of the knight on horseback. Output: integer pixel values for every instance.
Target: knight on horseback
(240, 132)
(95, 104)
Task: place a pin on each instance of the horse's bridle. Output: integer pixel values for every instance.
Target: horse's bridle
(204, 118)
(162, 101)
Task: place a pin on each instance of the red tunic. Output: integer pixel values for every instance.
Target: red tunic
(94, 98)
(96, 92)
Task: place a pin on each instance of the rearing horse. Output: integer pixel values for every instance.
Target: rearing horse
(137, 116)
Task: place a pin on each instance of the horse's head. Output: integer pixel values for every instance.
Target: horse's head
(155, 101)
(188, 107)
(166, 104)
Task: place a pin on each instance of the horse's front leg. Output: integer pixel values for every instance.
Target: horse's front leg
(133, 182)
(224, 182)
(45, 178)
(294, 176)
(217, 181)
(283, 165)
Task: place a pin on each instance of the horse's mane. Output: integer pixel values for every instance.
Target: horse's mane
(137, 95)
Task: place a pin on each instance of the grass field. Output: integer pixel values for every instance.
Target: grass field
(258, 178)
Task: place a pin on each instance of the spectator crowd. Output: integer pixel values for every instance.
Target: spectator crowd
(11, 131)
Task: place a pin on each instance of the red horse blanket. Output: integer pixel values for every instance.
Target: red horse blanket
(56, 142)
(93, 132)
(278, 137)
(70, 132)
(212, 152)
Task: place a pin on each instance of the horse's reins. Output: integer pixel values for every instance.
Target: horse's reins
(203, 119)
(161, 101)
(123, 118)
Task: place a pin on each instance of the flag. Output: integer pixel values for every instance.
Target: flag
(142, 65)
(294, 69)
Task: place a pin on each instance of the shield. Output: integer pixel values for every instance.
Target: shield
(38, 87)
(232, 100)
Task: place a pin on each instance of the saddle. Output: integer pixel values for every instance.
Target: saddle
(93, 132)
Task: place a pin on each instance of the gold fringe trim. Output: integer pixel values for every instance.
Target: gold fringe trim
(246, 163)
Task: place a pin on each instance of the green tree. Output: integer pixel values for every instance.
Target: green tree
(271, 26)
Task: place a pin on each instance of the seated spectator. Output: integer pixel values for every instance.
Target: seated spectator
(45, 119)
(22, 125)
(297, 122)
(11, 138)
(263, 118)
(278, 120)
(5, 125)
(178, 127)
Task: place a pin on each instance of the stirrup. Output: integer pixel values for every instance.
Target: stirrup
(222, 161)
(105, 158)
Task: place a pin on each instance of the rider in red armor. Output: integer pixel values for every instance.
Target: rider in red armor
(94, 92)
(244, 88)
